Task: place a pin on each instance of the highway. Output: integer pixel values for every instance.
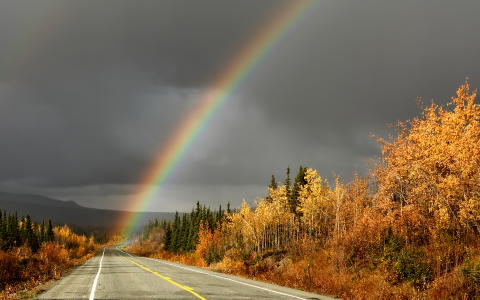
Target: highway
(114, 274)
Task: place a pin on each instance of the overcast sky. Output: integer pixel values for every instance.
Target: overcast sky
(90, 90)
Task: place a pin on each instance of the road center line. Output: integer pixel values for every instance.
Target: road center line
(95, 281)
(218, 276)
(186, 288)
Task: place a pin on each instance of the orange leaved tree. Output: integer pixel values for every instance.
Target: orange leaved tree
(432, 167)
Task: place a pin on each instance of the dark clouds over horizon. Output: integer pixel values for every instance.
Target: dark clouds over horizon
(89, 91)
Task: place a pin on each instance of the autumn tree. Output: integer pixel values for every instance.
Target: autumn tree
(269, 226)
(433, 165)
(315, 205)
(358, 199)
(273, 185)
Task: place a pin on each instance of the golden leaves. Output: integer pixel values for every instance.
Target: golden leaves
(435, 162)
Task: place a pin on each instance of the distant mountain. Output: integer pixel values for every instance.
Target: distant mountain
(68, 212)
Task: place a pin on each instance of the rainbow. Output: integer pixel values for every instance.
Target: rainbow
(214, 96)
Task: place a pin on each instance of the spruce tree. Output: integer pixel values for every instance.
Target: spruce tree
(13, 238)
(209, 219)
(3, 230)
(297, 186)
(190, 238)
(2, 226)
(288, 183)
(219, 214)
(29, 234)
(175, 234)
(42, 233)
(273, 183)
(168, 238)
(50, 235)
(198, 209)
(183, 233)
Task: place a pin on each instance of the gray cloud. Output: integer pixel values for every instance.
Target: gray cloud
(90, 90)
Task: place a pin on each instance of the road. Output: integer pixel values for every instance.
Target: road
(114, 274)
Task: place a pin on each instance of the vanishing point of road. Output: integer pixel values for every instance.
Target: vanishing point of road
(115, 274)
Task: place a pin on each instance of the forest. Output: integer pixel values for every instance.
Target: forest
(409, 228)
(34, 253)
(181, 234)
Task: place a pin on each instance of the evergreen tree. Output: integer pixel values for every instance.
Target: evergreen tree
(42, 233)
(14, 233)
(273, 183)
(297, 186)
(2, 225)
(3, 229)
(29, 234)
(49, 234)
(183, 233)
(175, 234)
(210, 219)
(198, 209)
(288, 183)
(190, 237)
(168, 238)
(13, 236)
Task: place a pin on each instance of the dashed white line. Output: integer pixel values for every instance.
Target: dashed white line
(218, 276)
(95, 281)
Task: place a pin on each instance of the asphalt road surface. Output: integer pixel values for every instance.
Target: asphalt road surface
(114, 274)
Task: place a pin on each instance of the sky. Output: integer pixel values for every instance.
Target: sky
(91, 90)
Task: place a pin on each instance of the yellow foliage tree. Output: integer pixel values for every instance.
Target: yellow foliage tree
(270, 226)
(433, 164)
(316, 205)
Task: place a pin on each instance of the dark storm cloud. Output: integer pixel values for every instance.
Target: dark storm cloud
(99, 75)
(171, 42)
(89, 90)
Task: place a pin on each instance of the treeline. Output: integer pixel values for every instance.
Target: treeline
(292, 190)
(32, 253)
(181, 234)
(408, 229)
(15, 232)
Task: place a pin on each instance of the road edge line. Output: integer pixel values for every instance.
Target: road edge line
(95, 281)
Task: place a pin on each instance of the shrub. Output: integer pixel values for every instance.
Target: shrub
(10, 270)
(471, 271)
(410, 266)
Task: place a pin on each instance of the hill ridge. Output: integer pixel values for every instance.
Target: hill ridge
(69, 212)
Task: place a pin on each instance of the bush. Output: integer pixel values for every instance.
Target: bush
(471, 272)
(209, 245)
(411, 266)
(52, 259)
(10, 270)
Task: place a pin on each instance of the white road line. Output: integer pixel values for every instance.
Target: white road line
(95, 281)
(218, 276)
